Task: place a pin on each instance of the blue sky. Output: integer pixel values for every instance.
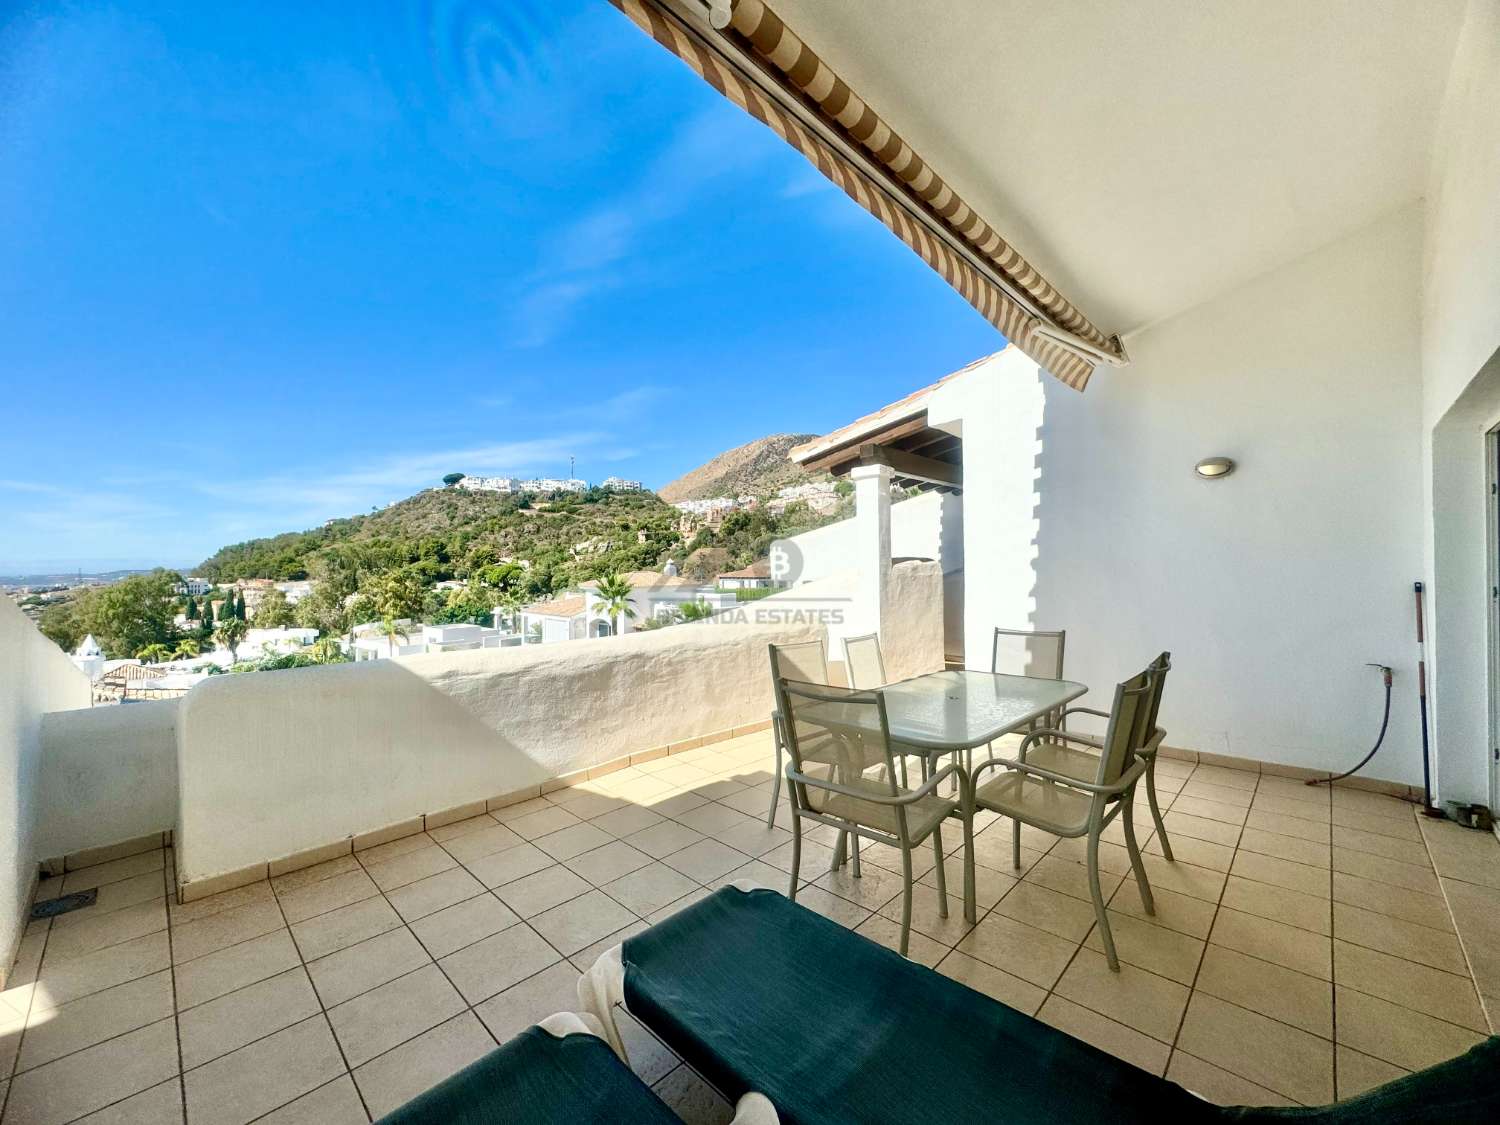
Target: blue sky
(269, 264)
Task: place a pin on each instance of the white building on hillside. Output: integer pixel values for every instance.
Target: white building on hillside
(560, 619)
(417, 639)
(620, 484)
(652, 595)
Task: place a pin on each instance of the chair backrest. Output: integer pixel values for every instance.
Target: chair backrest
(835, 726)
(1126, 716)
(1159, 669)
(805, 661)
(1023, 652)
(863, 663)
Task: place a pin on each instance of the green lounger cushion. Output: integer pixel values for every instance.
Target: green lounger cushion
(539, 1079)
(758, 993)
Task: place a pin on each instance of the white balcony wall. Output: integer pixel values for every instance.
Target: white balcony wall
(278, 762)
(1272, 587)
(108, 774)
(36, 677)
(919, 530)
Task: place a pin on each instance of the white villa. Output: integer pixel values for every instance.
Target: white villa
(369, 644)
(518, 484)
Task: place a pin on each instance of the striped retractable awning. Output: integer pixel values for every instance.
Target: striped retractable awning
(756, 62)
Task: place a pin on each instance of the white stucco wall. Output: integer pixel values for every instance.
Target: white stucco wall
(1461, 400)
(1272, 587)
(917, 531)
(35, 677)
(107, 774)
(278, 762)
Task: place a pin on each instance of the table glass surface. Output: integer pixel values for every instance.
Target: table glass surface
(956, 710)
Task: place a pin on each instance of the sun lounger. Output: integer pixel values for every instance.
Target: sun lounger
(757, 993)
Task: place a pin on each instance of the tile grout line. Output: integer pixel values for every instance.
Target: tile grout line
(167, 889)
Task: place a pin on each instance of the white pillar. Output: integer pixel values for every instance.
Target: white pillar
(872, 541)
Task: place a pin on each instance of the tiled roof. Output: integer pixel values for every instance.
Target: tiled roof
(639, 579)
(558, 607)
(760, 568)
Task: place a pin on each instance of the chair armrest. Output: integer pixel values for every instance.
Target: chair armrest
(1051, 734)
(1127, 779)
(864, 794)
(1085, 711)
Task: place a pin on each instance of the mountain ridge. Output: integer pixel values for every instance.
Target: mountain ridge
(758, 467)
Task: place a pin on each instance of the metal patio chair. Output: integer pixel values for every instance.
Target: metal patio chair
(833, 737)
(806, 661)
(1067, 806)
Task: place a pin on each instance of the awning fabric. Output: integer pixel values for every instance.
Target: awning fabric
(758, 33)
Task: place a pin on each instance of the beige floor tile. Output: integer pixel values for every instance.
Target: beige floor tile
(713, 818)
(1404, 828)
(127, 892)
(1184, 878)
(1243, 780)
(1069, 878)
(1360, 800)
(1270, 989)
(446, 832)
(399, 1075)
(252, 893)
(1113, 858)
(1219, 794)
(542, 890)
(692, 1099)
(663, 839)
(408, 867)
(920, 948)
(333, 1103)
(1313, 853)
(1459, 853)
(995, 983)
(1414, 986)
(840, 910)
(95, 1077)
(394, 849)
(509, 814)
(373, 1023)
(606, 864)
(1410, 906)
(1109, 1036)
(1382, 870)
(309, 900)
(1274, 941)
(229, 927)
(201, 980)
(493, 964)
(349, 925)
(1314, 831)
(231, 1021)
(583, 960)
(480, 842)
(449, 930)
(1308, 912)
(1217, 1085)
(875, 886)
(1402, 939)
(1134, 997)
(506, 867)
(706, 860)
(754, 838)
(1159, 949)
(574, 840)
(1357, 1073)
(1209, 810)
(924, 914)
(581, 921)
(650, 888)
(1302, 810)
(1292, 789)
(1476, 911)
(344, 975)
(1264, 1051)
(816, 859)
(1406, 851)
(56, 1032)
(990, 886)
(305, 876)
(74, 939)
(554, 989)
(541, 822)
(626, 819)
(1200, 853)
(114, 871)
(429, 895)
(1396, 1034)
(151, 1106)
(663, 912)
(263, 1076)
(1063, 915)
(675, 803)
(80, 976)
(1283, 873)
(1183, 913)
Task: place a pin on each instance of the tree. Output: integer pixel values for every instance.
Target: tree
(154, 653)
(239, 606)
(187, 648)
(190, 611)
(397, 594)
(124, 617)
(324, 609)
(274, 611)
(453, 478)
(60, 622)
(696, 611)
(230, 633)
(614, 600)
(390, 629)
(327, 650)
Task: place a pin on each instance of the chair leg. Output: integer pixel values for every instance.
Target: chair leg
(1136, 864)
(905, 897)
(796, 853)
(942, 876)
(1015, 843)
(840, 851)
(970, 914)
(854, 852)
(775, 790)
(1098, 897)
(1161, 829)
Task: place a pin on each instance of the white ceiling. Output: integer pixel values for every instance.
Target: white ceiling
(1149, 154)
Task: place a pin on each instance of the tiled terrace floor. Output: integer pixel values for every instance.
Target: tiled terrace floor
(1302, 950)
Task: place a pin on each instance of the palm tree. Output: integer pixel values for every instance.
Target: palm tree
(328, 651)
(390, 629)
(154, 653)
(229, 633)
(696, 611)
(187, 648)
(613, 593)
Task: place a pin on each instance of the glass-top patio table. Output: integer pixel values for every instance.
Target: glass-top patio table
(949, 712)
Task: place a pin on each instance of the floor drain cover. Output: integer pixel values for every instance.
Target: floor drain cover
(55, 906)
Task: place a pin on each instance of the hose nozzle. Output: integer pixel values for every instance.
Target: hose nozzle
(1385, 672)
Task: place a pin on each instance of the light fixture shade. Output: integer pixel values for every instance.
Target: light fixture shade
(1212, 468)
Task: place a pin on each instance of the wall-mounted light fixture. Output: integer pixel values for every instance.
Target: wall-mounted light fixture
(1212, 468)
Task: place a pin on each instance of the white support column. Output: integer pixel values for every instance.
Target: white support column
(872, 520)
